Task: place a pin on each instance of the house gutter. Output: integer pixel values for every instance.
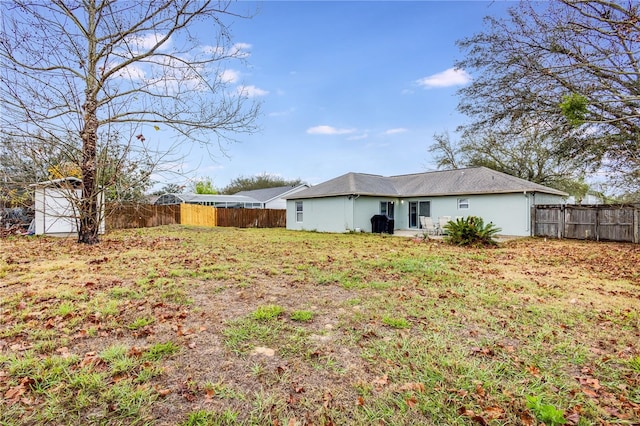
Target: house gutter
(530, 203)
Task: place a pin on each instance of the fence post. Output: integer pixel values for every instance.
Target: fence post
(636, 225)
(561, 221)
(532, 231)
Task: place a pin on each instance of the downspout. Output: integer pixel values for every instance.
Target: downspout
(527, 214)
(528, 217)
(353, 197)
(44, 210)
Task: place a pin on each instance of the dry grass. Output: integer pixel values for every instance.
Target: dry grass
(178, 325)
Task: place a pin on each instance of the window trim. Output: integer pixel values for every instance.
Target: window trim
(463, 204)
(299, 212)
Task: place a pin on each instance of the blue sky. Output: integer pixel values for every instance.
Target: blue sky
(347, 86)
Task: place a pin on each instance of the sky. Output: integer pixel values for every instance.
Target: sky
(346, 87)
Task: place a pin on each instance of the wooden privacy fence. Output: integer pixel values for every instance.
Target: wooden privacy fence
(123, 216)
(252, 218)
(194, 214)
(146, 215)
(591, 222)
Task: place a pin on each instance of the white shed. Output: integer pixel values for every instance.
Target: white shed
(55, 211)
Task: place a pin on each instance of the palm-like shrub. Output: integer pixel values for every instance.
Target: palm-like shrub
(471, 231)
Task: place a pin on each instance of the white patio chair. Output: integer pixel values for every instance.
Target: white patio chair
(427, 224)
(442, 221)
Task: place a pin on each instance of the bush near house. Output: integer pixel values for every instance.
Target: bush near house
(471, 231)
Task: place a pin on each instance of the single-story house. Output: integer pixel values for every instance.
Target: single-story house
(273, 198)
(55, 207)
(348, 202)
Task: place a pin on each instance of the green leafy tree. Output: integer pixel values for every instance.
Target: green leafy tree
(204, 186)
(260, 181)
(170, 188)
(569, 65)
(119, 71)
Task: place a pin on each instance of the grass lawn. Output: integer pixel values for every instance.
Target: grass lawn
(218, 326)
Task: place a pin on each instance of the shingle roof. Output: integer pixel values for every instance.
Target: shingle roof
(351, 183)
(267, 194)
(73, 181)
(476, 180)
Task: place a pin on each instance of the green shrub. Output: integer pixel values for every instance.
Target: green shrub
(471, 231)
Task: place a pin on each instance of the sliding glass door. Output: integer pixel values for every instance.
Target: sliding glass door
(417, 209)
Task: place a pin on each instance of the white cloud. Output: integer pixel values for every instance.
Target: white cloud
(450, 77)
(358, 137)
(229, 76)
(251, 91)
(328, 130)
(396, 131)
(282, 113)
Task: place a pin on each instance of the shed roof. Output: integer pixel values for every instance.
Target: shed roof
(73, 181)
(470, 181)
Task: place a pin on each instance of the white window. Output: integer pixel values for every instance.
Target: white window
(298, 211)
(463, 203)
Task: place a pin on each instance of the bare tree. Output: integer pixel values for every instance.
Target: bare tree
(87, 71)
(533, 155)
(445, 152)
(571, 65)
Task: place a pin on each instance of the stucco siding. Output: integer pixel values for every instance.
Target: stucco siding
(331, 214)
(510, 212)
(366, 207)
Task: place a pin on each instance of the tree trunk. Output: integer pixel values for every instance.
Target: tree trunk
(89, 213)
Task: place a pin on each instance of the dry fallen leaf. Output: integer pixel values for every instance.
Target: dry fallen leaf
(380, 382)
(418, 387)
(411, 402)
(14, 394)
(164, 392)
(493, 412)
